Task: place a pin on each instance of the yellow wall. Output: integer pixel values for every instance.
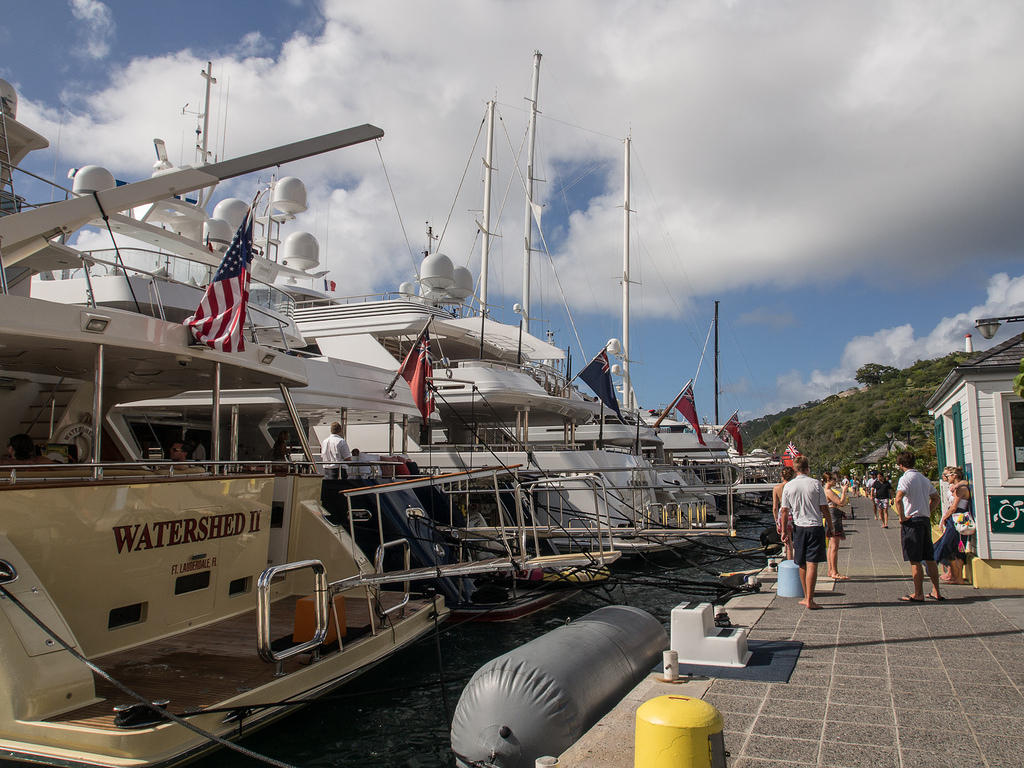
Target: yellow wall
(998, 574)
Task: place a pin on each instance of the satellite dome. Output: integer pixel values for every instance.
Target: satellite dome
(463, 283)
(300, 250)
(92, 178)
(614, 347)
(436, 272)
(218, 233)
(9, 99)
(617, 369)
(232, 210)
(289, 195)
(407, 289)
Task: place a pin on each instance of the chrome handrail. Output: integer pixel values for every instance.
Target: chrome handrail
(378, 567)
(320, 607)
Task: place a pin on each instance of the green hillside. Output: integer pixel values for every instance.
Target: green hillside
(840, 429)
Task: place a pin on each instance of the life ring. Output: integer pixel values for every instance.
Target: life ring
(78, 434)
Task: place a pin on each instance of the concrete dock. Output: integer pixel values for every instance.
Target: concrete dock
(878, 684)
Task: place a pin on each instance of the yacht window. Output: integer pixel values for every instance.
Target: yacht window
(277, 514)
(240, 586)
(192, 582)
(126, 614)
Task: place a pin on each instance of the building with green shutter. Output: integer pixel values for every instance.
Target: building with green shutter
(979, 425)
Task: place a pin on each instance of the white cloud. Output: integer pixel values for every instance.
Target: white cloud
(774, 144)
(97, 28)
(900, 346)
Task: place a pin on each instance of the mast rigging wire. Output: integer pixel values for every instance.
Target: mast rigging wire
(394, 199)
(462, 181)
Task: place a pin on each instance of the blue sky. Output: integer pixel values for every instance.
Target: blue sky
(843, 177)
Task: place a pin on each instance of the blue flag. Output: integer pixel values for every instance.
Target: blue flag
(598, 376)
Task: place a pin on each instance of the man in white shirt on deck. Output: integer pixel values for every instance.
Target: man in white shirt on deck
(915, 499)
(333, 451)
(804, 499)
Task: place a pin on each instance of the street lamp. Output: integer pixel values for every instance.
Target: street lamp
(988, 326)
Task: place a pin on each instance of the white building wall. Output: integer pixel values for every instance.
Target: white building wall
(993, 393)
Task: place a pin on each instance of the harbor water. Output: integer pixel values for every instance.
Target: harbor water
(397, 715)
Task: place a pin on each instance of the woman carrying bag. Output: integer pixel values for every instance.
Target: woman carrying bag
(949, 549)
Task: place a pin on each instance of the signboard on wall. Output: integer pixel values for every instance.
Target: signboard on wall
(1006, 514)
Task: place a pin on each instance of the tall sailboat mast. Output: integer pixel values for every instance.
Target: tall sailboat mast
(525, 316)
(627, 387)
(485, 247)
(717, 422)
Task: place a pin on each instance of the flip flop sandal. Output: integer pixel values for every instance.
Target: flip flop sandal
(933, 597)
(909, 599)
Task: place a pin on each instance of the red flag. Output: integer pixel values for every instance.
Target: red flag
(688, 408)
(732, 426)
(416, 369)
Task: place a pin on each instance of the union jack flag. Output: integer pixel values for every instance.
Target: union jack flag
(416, 370)
(598, 376)
(687, 406)
(732, 426)
(791, 451)
(220, 318)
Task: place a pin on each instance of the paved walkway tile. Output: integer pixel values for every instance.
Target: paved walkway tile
(881, 683)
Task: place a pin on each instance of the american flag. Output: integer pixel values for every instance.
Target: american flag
(416, 370)
(220, 317)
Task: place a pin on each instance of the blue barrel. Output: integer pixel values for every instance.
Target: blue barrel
(789, 580)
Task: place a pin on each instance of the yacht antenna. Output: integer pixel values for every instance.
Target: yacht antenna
(528, 236)
(202, 148)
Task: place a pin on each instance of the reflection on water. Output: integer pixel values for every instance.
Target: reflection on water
(394, 715)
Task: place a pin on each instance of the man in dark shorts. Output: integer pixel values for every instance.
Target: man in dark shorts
(804, 499)
(916, 497)
(880, 491)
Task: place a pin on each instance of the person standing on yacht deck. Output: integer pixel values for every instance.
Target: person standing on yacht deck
(787, 475)
(333, 451)
(804, 499)
(915, 499)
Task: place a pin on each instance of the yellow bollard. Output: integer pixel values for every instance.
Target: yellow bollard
(678, 732)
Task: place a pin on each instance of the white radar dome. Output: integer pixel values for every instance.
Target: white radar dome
(613, 347)
(289, 195)
(300, 250)
(407, 289)
(92, 178)
(218, 233)
(9, 98)
(617, 369)
(436, 272)
(232, 210)
(463, 283)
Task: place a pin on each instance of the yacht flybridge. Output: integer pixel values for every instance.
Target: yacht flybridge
(147, 606)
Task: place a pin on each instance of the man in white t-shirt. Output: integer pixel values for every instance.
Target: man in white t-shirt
(915, 499)
(803, 499)
(333, 451)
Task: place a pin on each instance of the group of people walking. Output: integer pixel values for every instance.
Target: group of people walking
(809, 519)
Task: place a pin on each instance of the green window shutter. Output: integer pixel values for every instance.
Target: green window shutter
(958, 435)
(940, 444)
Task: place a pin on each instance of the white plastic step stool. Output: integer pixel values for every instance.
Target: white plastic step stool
(697, 640)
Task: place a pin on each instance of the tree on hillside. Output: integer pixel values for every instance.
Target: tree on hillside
(874, 373)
